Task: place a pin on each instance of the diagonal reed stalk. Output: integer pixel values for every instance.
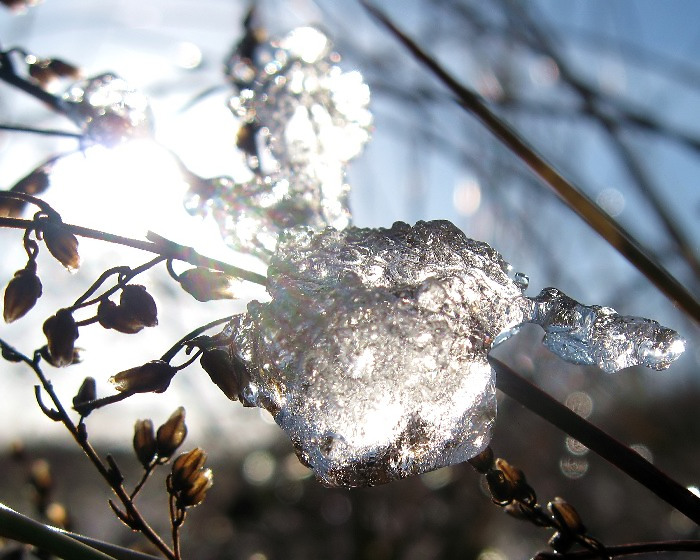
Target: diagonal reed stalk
(592, 214)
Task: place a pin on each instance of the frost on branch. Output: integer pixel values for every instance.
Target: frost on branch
(302, 120)
(372, 353)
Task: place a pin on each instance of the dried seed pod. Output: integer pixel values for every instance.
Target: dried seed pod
(223, 371)
(61, 333)
(75, 359)
(483, 461)
(205, 284)
(144, 441)
(111, 316)
(34, 183)
(138, 304)
(87, 393)
(501, 488)
(153, 376)
(567, 516)
(521, 489)
(63, 69)
(61, 243)
(186, 467)
(196, 493)
(171, 434)
(22, 293)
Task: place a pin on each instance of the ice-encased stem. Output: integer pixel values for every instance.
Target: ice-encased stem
(594, 335)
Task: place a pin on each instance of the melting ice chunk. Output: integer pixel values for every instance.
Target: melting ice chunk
(372, 353)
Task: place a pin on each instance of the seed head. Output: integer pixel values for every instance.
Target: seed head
(566, 515)
(21, 293)
(153, 376)
(196, 493)
(144, 441)
(223, 371)
(86, 393)
(61, 333)
(186, 468)
(171, 434)
(34, 183)
(138, 304)
(61, 243)
(205, 284)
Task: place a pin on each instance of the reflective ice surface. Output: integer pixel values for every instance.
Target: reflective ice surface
(372, 353)
(108, 110)
(302, 120)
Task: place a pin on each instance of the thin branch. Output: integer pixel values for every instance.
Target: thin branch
(41, 131)
(626, 550)
(624, 458)
(592, 214)
(170, 251)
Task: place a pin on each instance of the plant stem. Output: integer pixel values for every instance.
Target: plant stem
(590, 212)
(170, 251)
(625, 550)
(610, 449)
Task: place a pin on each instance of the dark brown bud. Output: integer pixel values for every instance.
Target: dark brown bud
(154, 376)
(186, 468)
(483, 461)
(63, 69)
(171, 434)
(204, 284)
(521, 489)
(195, 494)
(21, 293)
(500, 487)
(566, 515)
(245, 138)
(87, 393)
(61, 333)
(144, 442)
(138, 304)
(34, 183)
(76, 358)
(61, 243)
(222, 371)
(111, 316)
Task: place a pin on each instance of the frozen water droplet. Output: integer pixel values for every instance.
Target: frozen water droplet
(597, 335)
(521, 280)
(108, 110)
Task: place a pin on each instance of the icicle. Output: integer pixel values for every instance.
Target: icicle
(372, 353)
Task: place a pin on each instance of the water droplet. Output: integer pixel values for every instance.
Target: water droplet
(521, 280)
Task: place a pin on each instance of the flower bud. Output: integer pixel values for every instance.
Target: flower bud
(500, 487)
(196, 493)
(144, 442)
(205, 284)
(566, 515)
(86, 393)
(138, 304)
(34, 183)
(21, 293)
(111, 316)
(153, 376)
(171, 434)
(521, 489)
(561, 542)
(186, 468)
(64, 69)
(61, 243)
(75, 359)
(222, 371)
(61, 333)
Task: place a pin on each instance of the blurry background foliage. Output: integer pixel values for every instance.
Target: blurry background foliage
(609, 92)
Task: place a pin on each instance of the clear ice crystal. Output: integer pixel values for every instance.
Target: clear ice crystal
(303, 119)
(371, 354)
(108, 110)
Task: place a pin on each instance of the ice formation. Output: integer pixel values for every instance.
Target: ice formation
(371, 354)
(108, 110)
(302, 120)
